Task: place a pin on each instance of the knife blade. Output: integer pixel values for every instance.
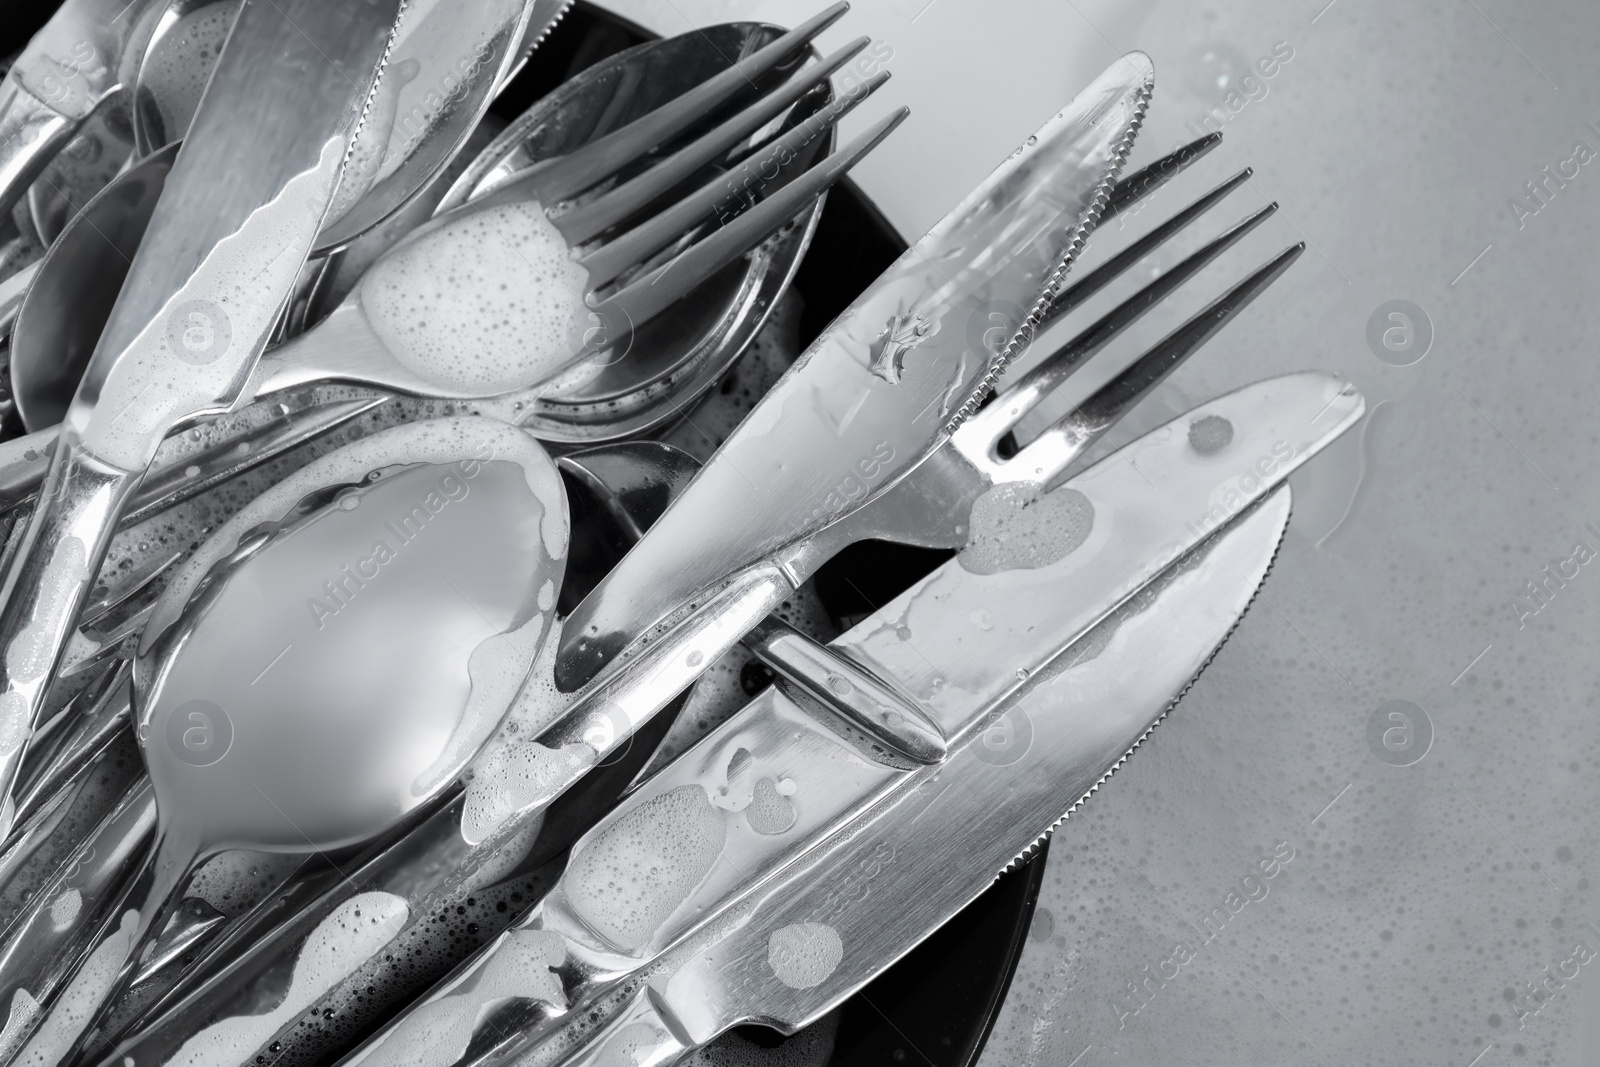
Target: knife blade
(886, 383)
(799, 767)
(810, 940)
(235, 221)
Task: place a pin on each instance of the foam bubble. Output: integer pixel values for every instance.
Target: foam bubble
(177, 66)
(514, 778)
(803, 955)
(636, 871)
(81, 999)
(436, 1034)
(487, 301)
(349, 936)
(19, 1022)
(1015, 527)
(65, 908)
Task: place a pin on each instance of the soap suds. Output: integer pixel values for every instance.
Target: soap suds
(485, 301)
(348, 937)
(636, 871)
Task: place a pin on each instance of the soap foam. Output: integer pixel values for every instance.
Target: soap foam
(350, 935)
(1015, 527)
(436, 1034)
(629, 878)
(23, 1014)
(514, 778)
(485, 301)
(177, 66)
(803, 955)
(81, 1000)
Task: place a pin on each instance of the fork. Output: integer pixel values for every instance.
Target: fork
(931, 506)
(611, 248)
(778, 646)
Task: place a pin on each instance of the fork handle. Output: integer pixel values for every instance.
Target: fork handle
(45, 586)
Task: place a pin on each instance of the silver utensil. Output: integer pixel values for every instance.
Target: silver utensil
(281, 714)
(677, 356)
(883, 387)
(597, 723)
(234, 224)
(101, 147)
(445, 66)
(75, 65)
(827, 928)
(475, 336)
(457, 895)
(73, 290)
(880, 713)
(615, 472)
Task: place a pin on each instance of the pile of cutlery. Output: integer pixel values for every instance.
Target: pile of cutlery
(350, 593)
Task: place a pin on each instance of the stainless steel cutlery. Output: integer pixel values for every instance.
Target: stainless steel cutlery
(371, 662)
(236, 220)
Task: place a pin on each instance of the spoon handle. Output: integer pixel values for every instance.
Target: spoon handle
(65, 542)
(31, 133)
(91, 972)
(77, 909)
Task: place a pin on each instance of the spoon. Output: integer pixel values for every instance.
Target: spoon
(681, 354)
(445, 66)
(671, 360)
(80, 62)
(277, 713)
(78, 280)
(615, 492)
(437, 316)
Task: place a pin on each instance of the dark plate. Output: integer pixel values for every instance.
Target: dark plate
(938, 1004)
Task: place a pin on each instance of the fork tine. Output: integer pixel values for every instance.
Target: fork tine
(561, 178)
(586, 222)
(106, 644)
(642, 298)
(1002, 416)
(1142, 183)
(92, 728)
(608, 262)
(1048, 455)
(1094, 281)
(137, 582)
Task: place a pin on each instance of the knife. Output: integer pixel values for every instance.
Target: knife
(234, 223)
(71, 67)
(883, 387)
(808, 941)
(855, 724)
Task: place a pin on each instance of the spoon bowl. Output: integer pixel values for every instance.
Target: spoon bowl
(540, 283)
(347, 656)
(78, 280)
(326, 664)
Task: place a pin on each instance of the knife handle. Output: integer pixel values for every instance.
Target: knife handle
(46, 584)
(638, 687)
(639, 1036)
